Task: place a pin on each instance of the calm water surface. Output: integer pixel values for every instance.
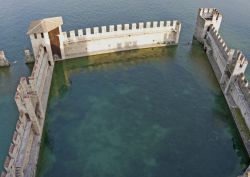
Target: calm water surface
(153, 112)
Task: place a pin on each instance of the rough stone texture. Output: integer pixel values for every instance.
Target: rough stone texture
(3, 61)
(33, 92)
(29, 58)
(31, 99)
(125, 37)
(108, 39)
(229, 67)
(205, 18)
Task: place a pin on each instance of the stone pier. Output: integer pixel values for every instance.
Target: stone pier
(3, 61)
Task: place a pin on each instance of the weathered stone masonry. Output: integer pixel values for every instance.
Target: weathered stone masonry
(50, 44)
(3, 61)
(229, 66)
(119, 38)
(31, 99)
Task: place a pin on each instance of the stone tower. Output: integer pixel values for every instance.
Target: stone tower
(46, 32)
(205, 18)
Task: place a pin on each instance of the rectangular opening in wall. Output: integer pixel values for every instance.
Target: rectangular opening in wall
(35, 35)
(42, 35)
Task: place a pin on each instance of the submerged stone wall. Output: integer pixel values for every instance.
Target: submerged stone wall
(31, 99)
(92, 41)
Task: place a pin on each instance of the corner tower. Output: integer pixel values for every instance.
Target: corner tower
(205, 18)
(46, 32)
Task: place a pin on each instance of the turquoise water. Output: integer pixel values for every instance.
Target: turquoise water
(154, 112)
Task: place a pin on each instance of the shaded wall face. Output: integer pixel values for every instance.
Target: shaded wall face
(55, 42)
(118, 42)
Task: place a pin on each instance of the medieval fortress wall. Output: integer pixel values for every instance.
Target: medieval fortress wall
(31, 99)
(119, 38)
(50, 44)
(229, 66)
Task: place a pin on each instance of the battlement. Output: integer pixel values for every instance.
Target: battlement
(244, 86)
(240, 63)
(211, 14)
(241, 58)
(206, 18)
(221, 44)
(121, 29)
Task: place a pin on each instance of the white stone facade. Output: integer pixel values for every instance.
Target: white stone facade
(119, 38)
(106, 39)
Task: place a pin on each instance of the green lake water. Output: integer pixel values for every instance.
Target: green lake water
(144, 113)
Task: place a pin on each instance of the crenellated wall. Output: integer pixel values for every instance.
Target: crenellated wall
(49, 43)
(229, 66)
(205, 18)
(30, 97)
(98, 40)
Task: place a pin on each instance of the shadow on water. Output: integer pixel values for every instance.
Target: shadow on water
(5, 73)
(61, 82)
(202, 65)
(63, 69)
(221, 108)
(199, 63)
(114, 115)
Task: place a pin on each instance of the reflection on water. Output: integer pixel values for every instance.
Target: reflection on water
(98, 62)
(138, 113)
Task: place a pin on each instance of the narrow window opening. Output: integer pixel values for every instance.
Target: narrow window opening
(35, 35)
(45, 50)
(217, 18)
(42, 35)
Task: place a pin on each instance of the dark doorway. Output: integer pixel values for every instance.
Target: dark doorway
(49, 63)
(45, 50)
(208, 29)
(55, 42)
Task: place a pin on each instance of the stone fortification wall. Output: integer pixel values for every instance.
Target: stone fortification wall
(229, 66)
(217, 47)
(31, 96)
(232, 65)
(205, 18)
(97, 40)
